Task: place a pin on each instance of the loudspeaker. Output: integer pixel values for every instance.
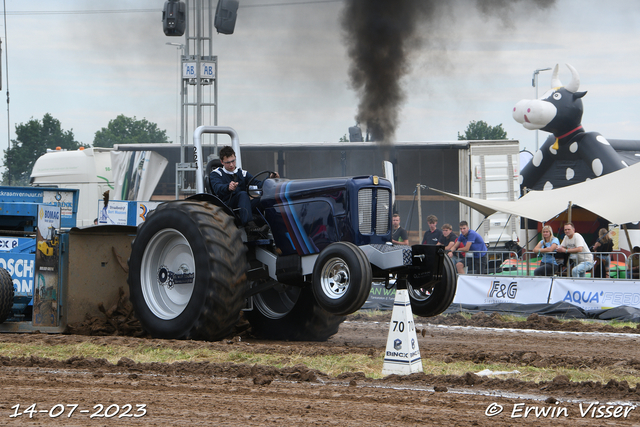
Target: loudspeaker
(174, 18)
(226, 13)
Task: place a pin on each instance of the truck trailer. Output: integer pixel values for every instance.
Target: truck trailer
(52, 273)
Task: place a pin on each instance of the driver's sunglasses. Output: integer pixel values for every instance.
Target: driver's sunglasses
(229, 162)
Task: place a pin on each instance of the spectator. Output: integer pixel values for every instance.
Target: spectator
(574, 244)
(603, 244)
(448, 239)
(433, 234)
(471, 241)
(547, 246)
(399, 235)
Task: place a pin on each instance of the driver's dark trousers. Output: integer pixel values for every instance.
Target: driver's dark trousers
(244, 204)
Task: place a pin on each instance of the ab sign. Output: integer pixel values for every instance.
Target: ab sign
(190, 70)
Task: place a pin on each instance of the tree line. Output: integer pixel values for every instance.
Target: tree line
(36, 136)
(475, 131)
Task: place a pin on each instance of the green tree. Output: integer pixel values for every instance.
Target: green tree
(127, 130)
(344, 138)
(32, 141)
(480, 130)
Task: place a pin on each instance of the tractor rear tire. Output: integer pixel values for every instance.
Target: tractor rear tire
(342, 278)
(431, 301)
(6, 294)
(187, 272)
(291, 313)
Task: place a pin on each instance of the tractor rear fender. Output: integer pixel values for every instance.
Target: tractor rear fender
(214, 200)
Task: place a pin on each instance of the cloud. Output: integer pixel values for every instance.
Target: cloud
(283, 75)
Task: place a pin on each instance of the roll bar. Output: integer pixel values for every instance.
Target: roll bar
(197, 155)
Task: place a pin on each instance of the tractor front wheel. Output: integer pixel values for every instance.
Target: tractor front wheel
(342, 278)
(431, 299)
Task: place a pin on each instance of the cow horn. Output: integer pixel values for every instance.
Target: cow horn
(574, 85)
(555, 81)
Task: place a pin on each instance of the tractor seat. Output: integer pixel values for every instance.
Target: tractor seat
(213, 163)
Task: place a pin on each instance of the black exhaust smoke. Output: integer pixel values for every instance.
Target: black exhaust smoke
(382, 35)
(377, 34)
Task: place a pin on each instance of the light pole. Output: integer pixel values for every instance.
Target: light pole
(180, 85)
(534, 83)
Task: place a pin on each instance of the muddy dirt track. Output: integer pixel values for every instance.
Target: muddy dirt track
(241, 395)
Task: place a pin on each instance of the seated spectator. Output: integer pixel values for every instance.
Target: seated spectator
(448, 238)
(546, 247)
(574, 244)
(471, 241)
(604, 244)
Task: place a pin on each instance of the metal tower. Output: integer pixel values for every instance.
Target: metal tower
(199, 90)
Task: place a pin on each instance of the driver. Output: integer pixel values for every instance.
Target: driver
(230, 184)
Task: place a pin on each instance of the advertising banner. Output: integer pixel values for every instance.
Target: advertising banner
(142, 209)
(595, 294)
(46, 292)
(21, 267)
(380, 298)
(122, 212)
(116, 212)
(8, 243)
(481, 290)
(62, 199)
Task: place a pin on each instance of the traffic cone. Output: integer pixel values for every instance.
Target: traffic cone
(402, 355)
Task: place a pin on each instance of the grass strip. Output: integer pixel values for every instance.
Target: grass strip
(332, 365)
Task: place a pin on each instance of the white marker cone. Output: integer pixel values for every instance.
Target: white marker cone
(402, 355)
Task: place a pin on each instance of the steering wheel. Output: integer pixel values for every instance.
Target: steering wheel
(257, 192)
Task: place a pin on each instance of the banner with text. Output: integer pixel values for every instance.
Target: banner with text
(595, 294)
(21, 267)
(380, 298)
(47, 286)
(482, 290)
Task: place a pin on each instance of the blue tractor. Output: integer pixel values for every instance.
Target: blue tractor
(193, 269)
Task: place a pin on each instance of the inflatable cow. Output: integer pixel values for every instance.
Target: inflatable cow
(570, 155)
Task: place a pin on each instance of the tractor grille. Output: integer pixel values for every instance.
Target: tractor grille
(382, 211)
(373, 210)
(365, 209)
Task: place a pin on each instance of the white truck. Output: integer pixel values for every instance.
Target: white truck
(88, 170)
(127, 176)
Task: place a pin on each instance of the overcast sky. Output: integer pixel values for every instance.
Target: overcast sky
(283, 74)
